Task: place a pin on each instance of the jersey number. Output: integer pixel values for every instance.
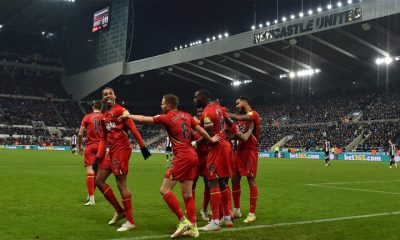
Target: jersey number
(185, 131)
(96, 124)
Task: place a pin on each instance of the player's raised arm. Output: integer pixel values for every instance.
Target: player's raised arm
(138, 118)
(245, 136)
(132, 127)
(237, 117)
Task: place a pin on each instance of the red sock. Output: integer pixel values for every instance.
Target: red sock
(190, 209)
(225, 202)
(221, 209)
(127, 202)
(173, 204)
(109, 195)
(215, 200)
(94, 182)
(194, 193)
(228, 189)
(206, 199)
(253, 198)
(236, 191)
(90, 183)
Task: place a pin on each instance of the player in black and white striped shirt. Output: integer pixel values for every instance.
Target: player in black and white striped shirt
(326, 149)
(168, 149)
(73, 143)
(392, 153)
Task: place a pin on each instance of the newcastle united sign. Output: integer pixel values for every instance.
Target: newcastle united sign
(308, 25)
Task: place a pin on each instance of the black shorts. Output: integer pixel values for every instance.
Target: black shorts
(326, 154)
(73, 145)
(168, 149)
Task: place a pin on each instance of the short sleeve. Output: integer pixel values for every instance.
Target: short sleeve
(193, 122)
(159, 118)
(84, 121)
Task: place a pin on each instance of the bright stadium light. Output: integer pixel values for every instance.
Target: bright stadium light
(260, 25)
(268, 23)
(238, 83)
(220, 36)
(253, 27)
(276, 21)
(319, 9)
(213, 38)
(329, 7)
(180, 47)
(349, 2)
(339, 4)
(386, 60)
(185, 46)
(292, 16)
(1, 26)
(226, 34)
(310, 12)
(301, 14)
(176, 48)
(191, 44)
(284, 19)
(300, 73)
(208, 39)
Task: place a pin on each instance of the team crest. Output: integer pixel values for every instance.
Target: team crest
(211, 168)
(115, 163)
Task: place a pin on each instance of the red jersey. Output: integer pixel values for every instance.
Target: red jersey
(252, 142)
(179, 127)
(117, 135)
(214, 116)
(94, 130)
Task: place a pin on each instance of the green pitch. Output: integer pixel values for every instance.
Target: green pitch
(43, 192)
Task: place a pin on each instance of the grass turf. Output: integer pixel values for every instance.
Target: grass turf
(42, 196)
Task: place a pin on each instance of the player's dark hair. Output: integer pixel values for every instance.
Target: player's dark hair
(106, 89)
(243, 98)
(172, 100)
(204, 93)
(98, 105)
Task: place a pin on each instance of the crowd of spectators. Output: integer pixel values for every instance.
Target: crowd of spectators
(31, 82)
(310, 120)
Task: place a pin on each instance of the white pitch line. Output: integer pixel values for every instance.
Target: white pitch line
(275, 225)
(352, 189)
(337, 183)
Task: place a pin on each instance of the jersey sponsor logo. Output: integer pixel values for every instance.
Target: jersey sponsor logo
(110, 125)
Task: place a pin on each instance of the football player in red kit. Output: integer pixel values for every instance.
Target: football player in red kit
(91, 124)
(116, 138)
(247, 157)
(179, 126)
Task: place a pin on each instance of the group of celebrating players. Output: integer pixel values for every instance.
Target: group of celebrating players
(215, 144)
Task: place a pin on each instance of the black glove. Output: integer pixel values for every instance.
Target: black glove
(95, 165)
(145, 152)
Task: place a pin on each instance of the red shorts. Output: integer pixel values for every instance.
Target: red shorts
(219, 161)
(90, 154)
(247, 162)
(117, 161)
(183, 168)
(202, 167)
